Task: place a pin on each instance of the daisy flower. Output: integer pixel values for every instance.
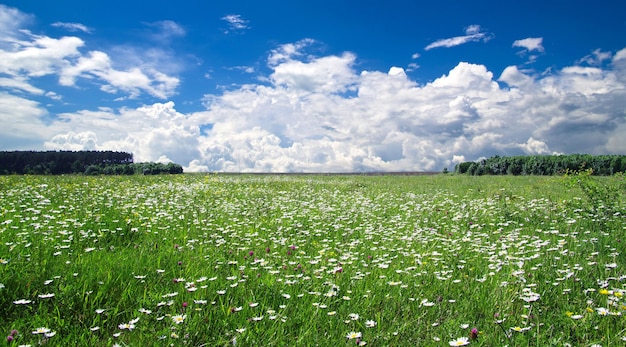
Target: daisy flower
(602, 311)
(461, 341)
(353, 335)
(179, 318)
(126, 326)
(41, 330)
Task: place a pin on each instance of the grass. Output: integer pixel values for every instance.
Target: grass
(218, 260)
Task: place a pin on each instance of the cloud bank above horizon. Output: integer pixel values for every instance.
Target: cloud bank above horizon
(312, 112)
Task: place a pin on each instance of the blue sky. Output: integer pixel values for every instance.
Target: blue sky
(285, 86)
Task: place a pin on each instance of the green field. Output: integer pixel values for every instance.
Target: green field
(269, 260)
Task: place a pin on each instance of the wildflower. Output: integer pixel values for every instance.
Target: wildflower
(354, 316)
(602, 311)
(22, 302)
(41, 331)
(474, 333)
(531, 297)
(126, 326)
(461, 341)
(45, 296)
(370, 323)
(179, 318)
(520, 329)
(353, 335)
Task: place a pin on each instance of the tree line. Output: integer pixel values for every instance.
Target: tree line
(603, 165)
(79, 162)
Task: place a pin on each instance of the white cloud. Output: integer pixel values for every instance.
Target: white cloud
(530, 44)
(42, 55)
(133, 81)
(71, 141)
(326, 74)
(166, 30)
(73, 27)
(620, 55)
(39, 57)
(150, 132)
(473, 33)
(22, 127)
(288, 51)
(235, 23)
(11, 20)
(596, 58)
(30, 56)
(19, 84)
(317, 113)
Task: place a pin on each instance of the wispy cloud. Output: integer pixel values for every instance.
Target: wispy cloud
(473, 33)
(166, 30)
(235, 23)
(73, 27)
(530, 44)
(34, 56)
(596, 58)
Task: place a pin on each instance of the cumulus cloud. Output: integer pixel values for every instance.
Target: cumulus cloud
(393, 123)
(73, 27)
(149, 132)
(319, 114)
(473, 33)
(21, 121)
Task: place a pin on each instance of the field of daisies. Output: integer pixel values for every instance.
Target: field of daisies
(279, 260)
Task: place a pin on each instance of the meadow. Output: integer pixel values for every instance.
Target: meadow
(271, 260)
